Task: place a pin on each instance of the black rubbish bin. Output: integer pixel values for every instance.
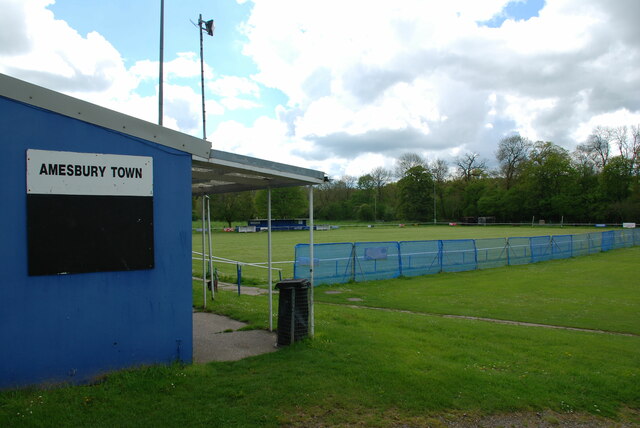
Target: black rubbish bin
(293, 310)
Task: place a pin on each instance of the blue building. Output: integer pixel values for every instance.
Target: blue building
(95, 219)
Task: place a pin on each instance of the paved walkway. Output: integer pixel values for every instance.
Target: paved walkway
(215, 338)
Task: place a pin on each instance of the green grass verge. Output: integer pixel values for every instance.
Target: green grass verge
(600, 291)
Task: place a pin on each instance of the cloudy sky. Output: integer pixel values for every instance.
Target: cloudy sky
(343, 86)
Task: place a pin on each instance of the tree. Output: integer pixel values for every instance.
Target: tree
(512, 152)
(287, 202)
(231, 207)
(334, 199)
(366, 182)
(597, 146)
(635, 149)
(439, 171)
(407, 161)
(470, 166)
(415, 193)
(549, 182)
(615, 179)
(381, 177)
(619, 137)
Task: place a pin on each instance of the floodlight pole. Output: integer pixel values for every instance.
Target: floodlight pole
(204, 120)
(161, 71)
(434, 201)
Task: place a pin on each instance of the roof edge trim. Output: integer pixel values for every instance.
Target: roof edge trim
(37, 96)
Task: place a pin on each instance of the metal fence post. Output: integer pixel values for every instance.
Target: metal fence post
(239, 275)
(353, 261)
(399, 259)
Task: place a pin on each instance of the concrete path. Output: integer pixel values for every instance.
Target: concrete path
(211, 343)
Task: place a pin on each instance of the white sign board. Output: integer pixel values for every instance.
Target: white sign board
(71, 173)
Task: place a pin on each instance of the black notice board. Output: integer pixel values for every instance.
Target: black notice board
(82, 233)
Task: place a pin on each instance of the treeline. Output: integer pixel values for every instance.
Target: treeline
(598, 182)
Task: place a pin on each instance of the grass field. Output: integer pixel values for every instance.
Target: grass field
(389, 368)
(252, 247)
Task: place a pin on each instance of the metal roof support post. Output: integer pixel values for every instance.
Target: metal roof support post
(210, 247)
(311, 263)
(269, 259)
(204, 263)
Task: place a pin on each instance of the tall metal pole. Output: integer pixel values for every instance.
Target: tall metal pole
(161, 72)
(434, 202)
(204, 120)
(311, 263)
(269, 259)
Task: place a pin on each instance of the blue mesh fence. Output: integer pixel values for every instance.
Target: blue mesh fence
(595, 242)
(562, 246)
(607, 241)
(368, 261)
(420, 257)
(491, 253)
(376, 260)
(519, 251)
(580, 245)
(459, 255)
(333, 263)
(622, 238)
(540, 248)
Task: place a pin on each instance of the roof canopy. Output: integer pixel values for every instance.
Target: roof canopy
(227, 172)
(213, 171)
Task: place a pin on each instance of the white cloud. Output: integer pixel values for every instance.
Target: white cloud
(233, 86)
(234, 90)
(185, 65)
(53, 54)
(366, 81)
(239, 104)
(397, 70)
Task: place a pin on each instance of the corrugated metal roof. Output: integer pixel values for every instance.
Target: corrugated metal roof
(228, 172)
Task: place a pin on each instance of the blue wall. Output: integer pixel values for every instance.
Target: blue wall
(70, 328)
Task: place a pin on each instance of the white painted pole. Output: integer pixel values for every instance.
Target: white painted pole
(269, 260)
(204, 263)
(210, 247)
(311, 262)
